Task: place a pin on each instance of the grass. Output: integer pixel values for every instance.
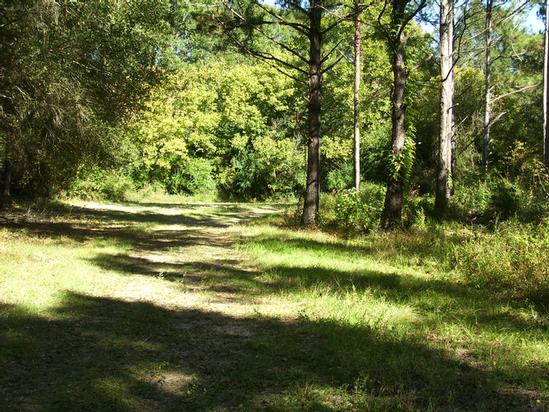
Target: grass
(144, 306)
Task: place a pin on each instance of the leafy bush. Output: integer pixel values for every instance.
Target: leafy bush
(102, 184)
(471, 199)
(193, 176)
(416, 209)
(497, 198)
(512, 260)
(270, 168)
(355, 210)
(340, 178)
(508, 198)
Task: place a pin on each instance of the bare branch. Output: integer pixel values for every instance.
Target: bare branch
(298, 26)
(282, 45)
(522, 89)
(327, 56)
(265, 55)
(348, 16)
(331, 66)
(413, 14)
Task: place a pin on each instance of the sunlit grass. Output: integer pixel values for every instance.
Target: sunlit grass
(139, 307)
(382, 287)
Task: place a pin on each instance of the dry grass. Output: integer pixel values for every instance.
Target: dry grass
(195, 307)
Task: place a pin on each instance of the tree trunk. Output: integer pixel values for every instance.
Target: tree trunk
(454, 151)
(358, 57)
(444, 169)
(395, 188)
(546, 91)
(487, 85)
(6, 185)
(312, 190)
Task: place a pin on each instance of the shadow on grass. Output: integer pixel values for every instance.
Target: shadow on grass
(103, 354)
(83, 224)
(417, 250)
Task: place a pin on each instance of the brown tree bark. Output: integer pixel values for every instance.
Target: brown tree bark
(392, 213)
(356, 120)
(312, 189)
(487, 85)
(446, 135)
(5, 194)
(546, 91)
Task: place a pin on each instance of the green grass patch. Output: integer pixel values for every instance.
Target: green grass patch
(197, 306)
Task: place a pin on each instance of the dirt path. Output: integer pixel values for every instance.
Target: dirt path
(164, 279)
(191, 246)
(156, 307)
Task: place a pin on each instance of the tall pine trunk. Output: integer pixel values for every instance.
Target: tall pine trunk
(446, 135)
(487, 85)
(312, 189)
(546, 90)
(356, 120)
(392, 212)
(5, 193)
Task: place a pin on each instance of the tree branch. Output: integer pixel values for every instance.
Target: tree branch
(327, 56)
(298, 26)
(355, 12)
(331, 66)
(514, 92)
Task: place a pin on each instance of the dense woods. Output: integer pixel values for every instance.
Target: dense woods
(369, 115)
(253, 100)
(274, 205)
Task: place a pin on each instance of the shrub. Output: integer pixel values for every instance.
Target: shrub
(271, 168)
(416, 209)
(508, 198)
(340, 178)
(193, 176)
(327, 214)
(512, 260)
(354, 210)
(471, 199)
(102, 184)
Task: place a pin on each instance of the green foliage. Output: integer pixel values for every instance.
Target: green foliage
(376, 152)
(358, 211)
(471, 198)
(340, 178)
(102, 184)
(401, 165)
(416, 209)
(498, 198)
(270, 168)
(71, 71)
(508, 198)
(512, 261)
(194, 176)
(107, 83)
(220, 125)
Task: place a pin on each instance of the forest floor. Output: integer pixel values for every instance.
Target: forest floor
(219, 307)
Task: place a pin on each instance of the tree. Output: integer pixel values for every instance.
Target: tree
(356, 94)
(401, 158)
(71, 71)
(487, 84)
(307, 22)
(446, 134)
(546, 90)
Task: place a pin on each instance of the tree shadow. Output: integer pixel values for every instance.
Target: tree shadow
(414, 251)
(105, 354)
(179, 230)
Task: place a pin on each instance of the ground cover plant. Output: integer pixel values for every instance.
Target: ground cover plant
(203, 306)
(274, 205)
